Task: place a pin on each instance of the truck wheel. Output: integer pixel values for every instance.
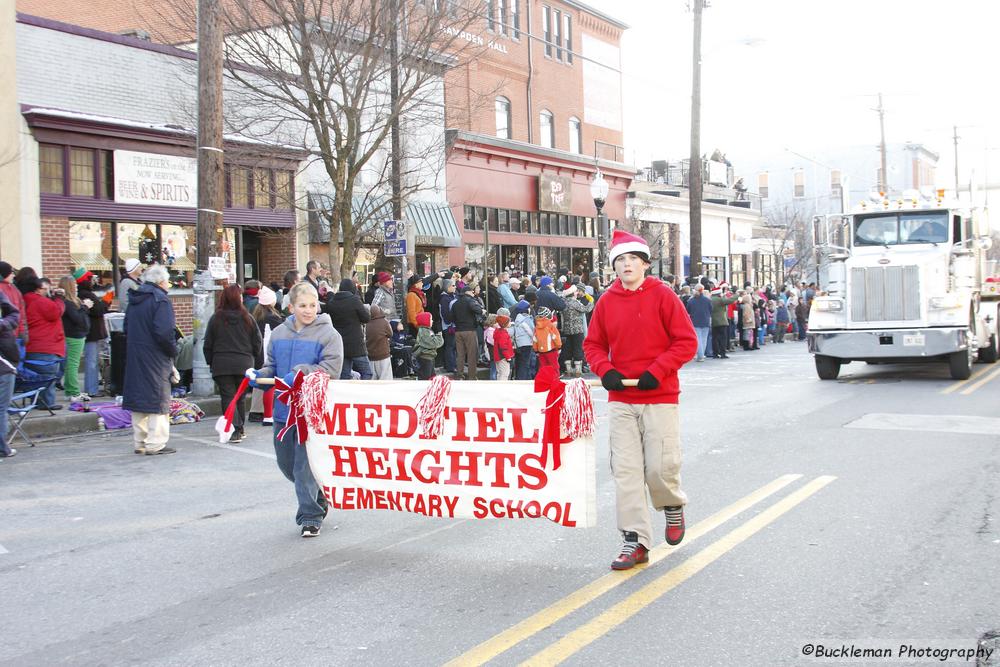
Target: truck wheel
(960, 364)
(988, 354)
(827, 368)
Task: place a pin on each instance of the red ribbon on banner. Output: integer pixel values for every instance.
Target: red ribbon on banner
(291, 395)
(548, 380)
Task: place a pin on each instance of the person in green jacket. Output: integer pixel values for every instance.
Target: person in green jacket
(721, 298)
(427, 346)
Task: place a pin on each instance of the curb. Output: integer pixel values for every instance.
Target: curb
(40, 425)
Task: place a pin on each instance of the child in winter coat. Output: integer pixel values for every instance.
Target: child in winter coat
(547, 341)
(378, 333)
(503, 349)
(306, 342)
(427, 346)
(524, 336)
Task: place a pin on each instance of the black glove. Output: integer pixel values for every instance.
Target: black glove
(612, 381)
(648, 381)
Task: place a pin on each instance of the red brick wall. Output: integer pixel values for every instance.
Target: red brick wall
(183, 312)
(278, 254)
(55, 249)
(557, 86)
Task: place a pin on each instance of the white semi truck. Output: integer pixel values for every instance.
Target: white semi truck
(902, 281)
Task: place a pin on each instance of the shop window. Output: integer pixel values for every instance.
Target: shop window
(262, 188)
(90, 248)
(50, 169)
(525, 222)
(503, 223)
(583, 262)
(535, 222)
(515, 222)
(515, 258)
(543, 220)
(491, 217)
(81, 172)
(469, 218)
(574, 228)
(238, 187)
(550, 261)
(564, 225)
(480, 218)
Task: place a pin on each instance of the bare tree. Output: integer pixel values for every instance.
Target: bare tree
(316, 74)
(788, 231)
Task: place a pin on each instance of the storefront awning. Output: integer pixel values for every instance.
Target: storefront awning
(91, 261)
(433, 222)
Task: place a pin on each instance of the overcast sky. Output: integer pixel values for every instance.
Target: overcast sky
(811, 78)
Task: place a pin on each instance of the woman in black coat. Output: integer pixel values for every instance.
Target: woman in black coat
(150, 350)
(349, 316)
(232, 345)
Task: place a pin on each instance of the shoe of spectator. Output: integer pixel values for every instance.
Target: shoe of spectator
(80, 398)
(13, 452)
(57, 406)
(675, 524)
(162, 450)
(139, 450)
(237, 436)
(310, 531)
(255, 417)
(267, 421)
(632, 553)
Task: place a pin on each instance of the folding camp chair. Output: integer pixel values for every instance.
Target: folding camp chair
(32, 380)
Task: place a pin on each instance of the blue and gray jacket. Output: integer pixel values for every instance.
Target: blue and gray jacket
(317, 346)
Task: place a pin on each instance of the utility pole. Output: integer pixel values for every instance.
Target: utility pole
(395, 158)
(883, 186)
(955, 134)
(695, 186)
(211, 193)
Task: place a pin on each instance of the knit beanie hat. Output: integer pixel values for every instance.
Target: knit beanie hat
(546, 280)
(131, 264)
(384, 276)
(423, 319)
(503, 311)
(545, 312)
(347, 285)
(82, 276)
(266, 296)
(522, 306)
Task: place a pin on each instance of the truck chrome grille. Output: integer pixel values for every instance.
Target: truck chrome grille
(885, 293)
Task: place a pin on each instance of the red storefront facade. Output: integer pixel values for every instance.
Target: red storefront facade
(494, 188)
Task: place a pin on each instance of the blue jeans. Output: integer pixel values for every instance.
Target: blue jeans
(91, 376)
(450, 352)
(294, 465)
(703, 340)
(359, 364)
(48, 370)
(6, 391)
(522, 363)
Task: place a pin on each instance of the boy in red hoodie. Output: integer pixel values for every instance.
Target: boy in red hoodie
(503, 348)
(641, 330)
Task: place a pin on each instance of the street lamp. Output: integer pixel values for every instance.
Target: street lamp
(599, 191)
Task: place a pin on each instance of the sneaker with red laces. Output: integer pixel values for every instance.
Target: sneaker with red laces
(632, 553)
(675, 524)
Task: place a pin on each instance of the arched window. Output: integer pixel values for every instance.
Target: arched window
(503, 118)
(547, 135)
(575, 135)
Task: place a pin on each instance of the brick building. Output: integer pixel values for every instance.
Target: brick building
(109, 171)
(539, 108)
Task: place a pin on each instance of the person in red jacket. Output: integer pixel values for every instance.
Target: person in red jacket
(640, 330)
(13, 295)
(503, 349)
(46, 339)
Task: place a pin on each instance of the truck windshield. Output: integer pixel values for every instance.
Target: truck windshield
(898, 228)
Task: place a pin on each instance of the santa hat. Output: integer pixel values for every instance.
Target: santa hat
(82, 276)
(720, 288)
(423, 319)
(622, 242)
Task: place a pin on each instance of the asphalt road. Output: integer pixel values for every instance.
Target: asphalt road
(860, 513)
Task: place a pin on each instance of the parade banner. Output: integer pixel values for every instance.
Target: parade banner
(369, 452)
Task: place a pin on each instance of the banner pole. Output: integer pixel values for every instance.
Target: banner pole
(592, 383)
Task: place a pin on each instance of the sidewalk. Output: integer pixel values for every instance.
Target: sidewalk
(41, 425)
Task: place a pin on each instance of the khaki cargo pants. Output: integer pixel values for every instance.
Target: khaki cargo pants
(645, 452)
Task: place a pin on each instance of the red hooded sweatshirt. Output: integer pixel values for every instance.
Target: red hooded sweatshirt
(634, 331)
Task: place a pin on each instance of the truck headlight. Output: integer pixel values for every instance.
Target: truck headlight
(830, 305)
(948, 302)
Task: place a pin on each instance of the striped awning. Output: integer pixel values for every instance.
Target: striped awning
(433, 222)
(91, 261)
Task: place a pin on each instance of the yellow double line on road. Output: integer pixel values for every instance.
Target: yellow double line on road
(974, 381)
(619, 613)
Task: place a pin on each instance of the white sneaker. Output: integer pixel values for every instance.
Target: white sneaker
(80, 398)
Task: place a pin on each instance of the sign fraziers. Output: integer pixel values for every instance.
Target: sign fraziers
(487, 463)
(154, 179)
